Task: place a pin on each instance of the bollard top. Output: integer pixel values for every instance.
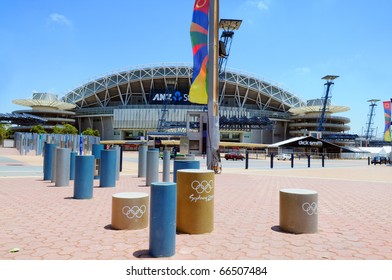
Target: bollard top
(195, 171)
(130, 195)
(298, 191)
(163, 184)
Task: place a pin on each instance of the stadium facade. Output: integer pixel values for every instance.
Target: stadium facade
(131, 104)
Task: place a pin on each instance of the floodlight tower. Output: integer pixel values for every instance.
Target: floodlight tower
(226, 38)
(369, 124)
(169, 90)
(326, 98)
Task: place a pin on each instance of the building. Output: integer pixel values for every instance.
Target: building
(47, 107)
(305, 119)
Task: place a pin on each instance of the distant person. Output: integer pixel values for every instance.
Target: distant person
(174, 151)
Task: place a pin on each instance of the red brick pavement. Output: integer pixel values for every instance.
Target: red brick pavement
(355, 216)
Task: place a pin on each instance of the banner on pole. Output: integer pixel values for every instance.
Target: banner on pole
(387, 114)
(199, 38)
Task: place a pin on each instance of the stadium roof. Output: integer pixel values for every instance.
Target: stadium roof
(123, 87)
(21, 119)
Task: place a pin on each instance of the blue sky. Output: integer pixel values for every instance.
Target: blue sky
(57, 45)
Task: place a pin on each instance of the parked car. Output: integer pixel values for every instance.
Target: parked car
(379, 160)
(234, 156)
(283, 157)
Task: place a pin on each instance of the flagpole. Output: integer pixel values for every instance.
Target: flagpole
(213, 138)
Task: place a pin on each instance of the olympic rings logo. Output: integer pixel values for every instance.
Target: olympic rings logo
(134, 211)
(310, 209)
(198, 5)
(203, 186)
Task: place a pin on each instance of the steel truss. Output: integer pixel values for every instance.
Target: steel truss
(246, 89)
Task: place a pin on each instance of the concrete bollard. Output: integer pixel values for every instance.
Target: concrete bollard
(163, 223)
(184, 164)
(108, 168)
(298, 210)
(142, 161)
(195, 201)
(84, 177)
(166, 166)
(48, 158)
(72, 166)
(130, 210)
(63, 159)
(152, 166)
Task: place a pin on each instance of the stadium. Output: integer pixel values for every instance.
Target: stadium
(135, 103)
(152, 100)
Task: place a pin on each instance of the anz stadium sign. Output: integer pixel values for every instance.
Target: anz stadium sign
(176, 98)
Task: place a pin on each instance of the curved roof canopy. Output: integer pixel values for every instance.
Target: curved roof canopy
(44, 100)
(125, 87)
(316, 109)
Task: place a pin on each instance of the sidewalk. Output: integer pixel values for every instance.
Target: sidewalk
(355, 213)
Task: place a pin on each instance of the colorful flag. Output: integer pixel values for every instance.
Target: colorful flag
(199, 38)
(387, 114)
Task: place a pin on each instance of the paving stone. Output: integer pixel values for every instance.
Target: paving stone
(45, 222)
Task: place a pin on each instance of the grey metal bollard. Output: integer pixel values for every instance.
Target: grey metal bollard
(63, 163)
(142, 161)
(152, 166)
(118, 158)
(166, 166)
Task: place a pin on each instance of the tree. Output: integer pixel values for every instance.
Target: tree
(92, 132)
(57, 130)
(69, 129)
(65, 129)
(3, 132)
(38, 129)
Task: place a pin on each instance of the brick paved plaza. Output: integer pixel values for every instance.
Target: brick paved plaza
(355, 213)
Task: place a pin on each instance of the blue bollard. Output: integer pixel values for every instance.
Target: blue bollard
(108, 168)
(96, 152)
(84, 177)
(163, 219)
(72, 167)
(48, 157)
(184, 164)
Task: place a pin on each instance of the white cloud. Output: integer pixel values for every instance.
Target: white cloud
(260, 4)
(60, 19)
